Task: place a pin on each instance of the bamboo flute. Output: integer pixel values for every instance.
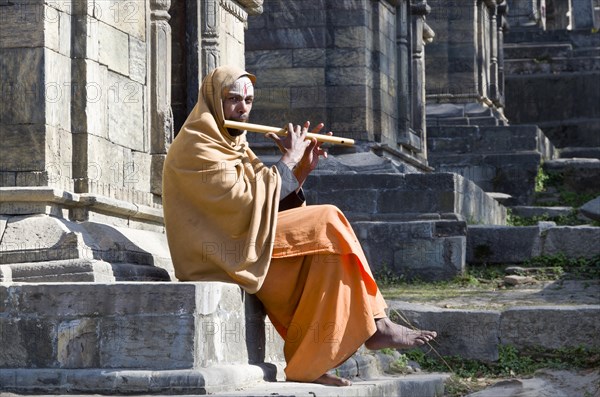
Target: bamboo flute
(263, 129)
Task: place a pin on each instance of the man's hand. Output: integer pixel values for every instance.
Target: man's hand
(299, 154)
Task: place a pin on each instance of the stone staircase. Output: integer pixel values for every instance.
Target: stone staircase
(504, 159)
(538, 64)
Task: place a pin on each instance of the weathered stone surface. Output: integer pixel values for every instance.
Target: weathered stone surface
(529, 101)
(550, 327)
(70, 270)
(414, 194)
(22, 75)
(538, 211)
(126, 97)
(12, 138)
(198, 324)
(137, 60)
(468, 333)
(78, 250)
(578, 175)
(573, 241)
(30, 25)
(435, 259)
(91, 95)
(223, 380)
(129, 18)
(113, 50)
(591, 209)
(502, 244)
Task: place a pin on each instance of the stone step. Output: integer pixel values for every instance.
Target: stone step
(425, 385)
(577, 38)
(536, 50)
(541, 212)
(552, 65)
(579, 152)
(404, 197)
(518, 244)
(488, 139)
(576, 175)
(510, 173)
(218, 381)
(425, 250)
(476, 326)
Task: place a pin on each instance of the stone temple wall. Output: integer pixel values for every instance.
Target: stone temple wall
(355, 65)
(80, 77)
(86, 122)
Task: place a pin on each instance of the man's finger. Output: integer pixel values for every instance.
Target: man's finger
(276, 139)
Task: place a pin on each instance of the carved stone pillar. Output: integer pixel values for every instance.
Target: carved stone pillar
(161, 116)
(419, 10)
(501, 28)
(403, 43)
(209, 36)
(582, 14)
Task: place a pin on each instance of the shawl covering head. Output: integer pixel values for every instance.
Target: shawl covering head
(220, 202)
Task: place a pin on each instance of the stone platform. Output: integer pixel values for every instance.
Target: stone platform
(173, 338)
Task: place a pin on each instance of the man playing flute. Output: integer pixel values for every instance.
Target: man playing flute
(230, 218)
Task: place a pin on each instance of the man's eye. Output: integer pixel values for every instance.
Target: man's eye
(249, 100)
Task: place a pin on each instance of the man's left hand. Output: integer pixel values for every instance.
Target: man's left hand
(310, 160)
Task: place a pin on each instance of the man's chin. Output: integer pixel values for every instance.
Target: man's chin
(234, 132)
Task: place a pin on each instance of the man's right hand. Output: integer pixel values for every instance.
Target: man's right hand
(293, 145)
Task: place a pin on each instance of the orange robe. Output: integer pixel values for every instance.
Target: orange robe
(319, 291)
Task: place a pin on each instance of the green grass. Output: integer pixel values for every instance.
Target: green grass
(469, 376)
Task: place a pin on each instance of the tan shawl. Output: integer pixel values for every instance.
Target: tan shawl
(220, 202)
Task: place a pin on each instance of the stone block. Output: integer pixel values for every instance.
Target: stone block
(347, 76)
(91, 96)
(23, 86)
(309, 57)
(27, 342)
(156, 168)
(591, 209)
(572, 241)
(350, 37)
(70, 270)
(126, 120)
(113, 48)
(123, 341)
(434, 259)
(347, 57)
(290, 38)
(57, 90)
(32, 233)
(502, 244)
(25, 25)
(128, 17)
(112, 325)
(11, 154)
(258, 61)
(550, 327)
(137, 60)
(293, 77)
(471, 334)
(77, 343)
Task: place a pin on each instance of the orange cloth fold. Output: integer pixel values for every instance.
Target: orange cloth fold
(319, 293)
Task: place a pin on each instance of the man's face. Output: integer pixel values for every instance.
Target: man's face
(237, 102)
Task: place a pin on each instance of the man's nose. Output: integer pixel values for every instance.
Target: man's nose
(244, 108)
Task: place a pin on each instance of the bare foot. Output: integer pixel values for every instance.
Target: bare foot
(396, 336)
(332, 380)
